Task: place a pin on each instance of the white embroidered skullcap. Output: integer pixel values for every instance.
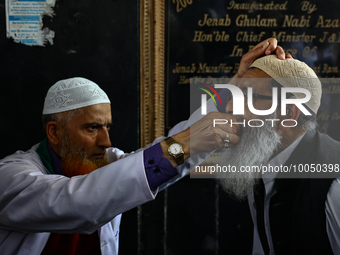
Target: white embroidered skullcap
(292, 73)
(72, 94)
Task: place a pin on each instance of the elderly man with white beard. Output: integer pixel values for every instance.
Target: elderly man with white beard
(292, 214)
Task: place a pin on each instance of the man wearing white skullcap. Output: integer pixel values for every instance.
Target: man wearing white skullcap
(66, 194)
(73, 94)
(294, 211)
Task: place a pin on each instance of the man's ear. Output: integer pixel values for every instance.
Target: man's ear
(53, 133)
(292, 113)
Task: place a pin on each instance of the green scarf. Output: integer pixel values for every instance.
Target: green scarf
(42, 151)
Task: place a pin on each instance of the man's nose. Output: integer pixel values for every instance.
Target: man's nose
(103, 139)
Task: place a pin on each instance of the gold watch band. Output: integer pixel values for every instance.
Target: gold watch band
(179, 158)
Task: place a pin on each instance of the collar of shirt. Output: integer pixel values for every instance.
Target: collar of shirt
(280, 159)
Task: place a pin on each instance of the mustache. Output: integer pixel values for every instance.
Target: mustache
(99, 151)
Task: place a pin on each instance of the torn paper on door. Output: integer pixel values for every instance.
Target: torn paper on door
(24, 21)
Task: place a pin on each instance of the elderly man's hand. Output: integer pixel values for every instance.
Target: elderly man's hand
(267, 47)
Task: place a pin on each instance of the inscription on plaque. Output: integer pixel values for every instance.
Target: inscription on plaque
(208, 38)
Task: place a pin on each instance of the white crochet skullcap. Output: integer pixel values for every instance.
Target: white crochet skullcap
(72, 94)
(293, 73)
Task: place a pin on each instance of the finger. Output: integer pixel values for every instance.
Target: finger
(259, 49)
(256, 52)
(269, 45)
(229, 140)
(288, 56)
(225, 139)
(262, 45)
(227, 145)
(226, 127)
(228, 130)
(272, 46)
(280, 53)
(232, 138)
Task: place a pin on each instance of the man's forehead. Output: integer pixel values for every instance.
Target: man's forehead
(255, 83)
(100, 113)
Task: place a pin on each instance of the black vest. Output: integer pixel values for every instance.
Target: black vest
(297, 210)
(297, 217)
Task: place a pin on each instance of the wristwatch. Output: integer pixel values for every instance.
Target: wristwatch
(175, 149)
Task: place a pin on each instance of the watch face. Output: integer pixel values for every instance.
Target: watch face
(175, 148)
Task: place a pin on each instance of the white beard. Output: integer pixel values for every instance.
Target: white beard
(256, 146)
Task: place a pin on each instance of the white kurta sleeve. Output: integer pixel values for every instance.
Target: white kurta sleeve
(194, 160)
(32, 201)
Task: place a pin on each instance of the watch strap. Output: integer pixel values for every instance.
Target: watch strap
(179, 158)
